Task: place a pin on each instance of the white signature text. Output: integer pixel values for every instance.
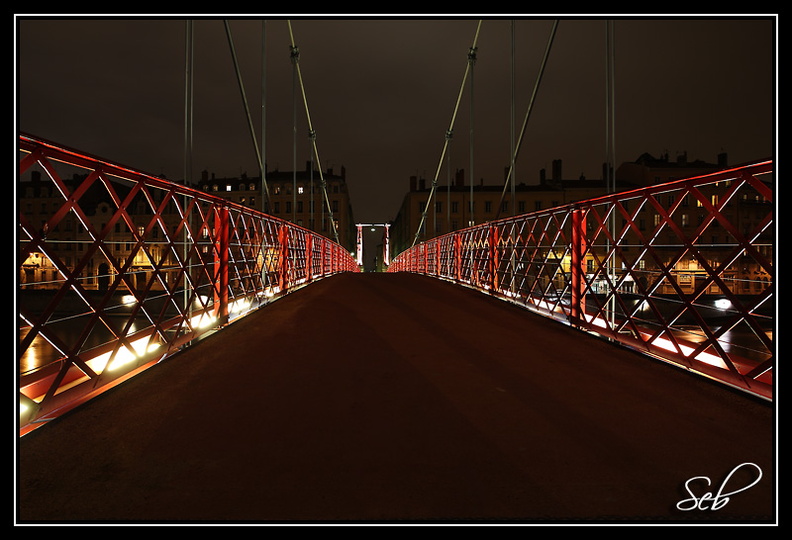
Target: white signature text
(714, 501)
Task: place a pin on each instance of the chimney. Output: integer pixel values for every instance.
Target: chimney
(723, 159)
(413, 181)
(421, 184)
(557, 170)
(308, 166)
(542, 176)
(460, 177)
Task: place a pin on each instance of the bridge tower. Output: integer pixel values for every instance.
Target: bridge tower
(385, 242)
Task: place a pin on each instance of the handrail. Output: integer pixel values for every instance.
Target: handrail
(118, 270)
(681, 271)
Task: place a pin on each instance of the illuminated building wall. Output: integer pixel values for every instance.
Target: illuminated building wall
(451, 208)
(745, 212)
(295, 196)
(69, 240)
(450, 211)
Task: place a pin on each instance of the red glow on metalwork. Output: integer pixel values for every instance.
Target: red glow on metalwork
(635, 268)
(119, 269)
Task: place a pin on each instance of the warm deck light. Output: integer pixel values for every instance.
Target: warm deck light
(202, 321)
(140, 347)
(240, 306)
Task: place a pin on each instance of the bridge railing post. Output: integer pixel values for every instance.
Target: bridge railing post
(308, 257)
(323, 263)
(283, 257)
(492, 258)
(221, 264)
(578, 282)
(438, 257)
(457, 257)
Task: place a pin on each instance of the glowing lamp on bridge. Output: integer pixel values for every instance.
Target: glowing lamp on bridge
(240, 306)
(203, 321)
(123, 356)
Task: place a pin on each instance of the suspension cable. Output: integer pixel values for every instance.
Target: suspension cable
(610, 156)
(471, 63)
(448, 131)
(311, 132)
(264, 201)
(189, 98)
(247, 109)
(527, 115)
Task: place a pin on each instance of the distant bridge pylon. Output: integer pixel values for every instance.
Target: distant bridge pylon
(385, 242)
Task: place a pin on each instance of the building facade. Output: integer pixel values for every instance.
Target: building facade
(746, 211)
(648, 170)
(459, 205)
(295, 196)
(69, 242)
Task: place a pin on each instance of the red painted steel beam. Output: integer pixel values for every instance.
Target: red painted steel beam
(243, 251)
(614, 264)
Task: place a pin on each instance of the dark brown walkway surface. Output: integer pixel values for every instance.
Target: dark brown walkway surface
(395, 398)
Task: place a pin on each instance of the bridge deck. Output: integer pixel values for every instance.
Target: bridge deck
(393, 398)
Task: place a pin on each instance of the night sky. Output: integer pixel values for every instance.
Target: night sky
(381, 94)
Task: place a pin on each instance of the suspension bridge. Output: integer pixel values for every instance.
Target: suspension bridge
(184, 358)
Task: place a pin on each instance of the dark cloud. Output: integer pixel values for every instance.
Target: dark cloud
(381, 94)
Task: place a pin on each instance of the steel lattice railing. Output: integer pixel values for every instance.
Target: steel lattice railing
(681, 271)
(119, 269)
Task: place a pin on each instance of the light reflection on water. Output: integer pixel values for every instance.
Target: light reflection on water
(41, 352)
(741, 343)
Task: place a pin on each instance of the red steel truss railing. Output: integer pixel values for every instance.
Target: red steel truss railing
(681, 271)
(119, 270)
